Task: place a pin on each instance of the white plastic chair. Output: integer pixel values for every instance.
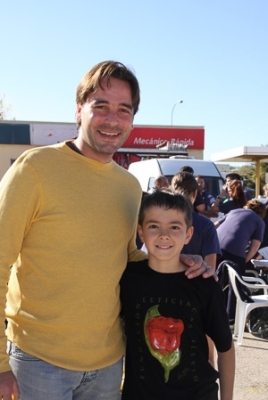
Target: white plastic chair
(242, 307)
(253, 279)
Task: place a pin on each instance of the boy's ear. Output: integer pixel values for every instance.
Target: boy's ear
(140, 233)
(189, 235)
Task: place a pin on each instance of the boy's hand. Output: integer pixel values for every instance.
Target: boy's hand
(196, 266)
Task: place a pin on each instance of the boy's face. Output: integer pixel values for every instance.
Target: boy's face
(164, 232)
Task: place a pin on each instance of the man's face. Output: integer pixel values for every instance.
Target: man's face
(201, 184)
(106, 120)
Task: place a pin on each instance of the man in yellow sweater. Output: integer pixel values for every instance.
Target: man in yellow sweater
(68, 227)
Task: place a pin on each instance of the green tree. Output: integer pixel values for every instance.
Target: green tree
(248, 172)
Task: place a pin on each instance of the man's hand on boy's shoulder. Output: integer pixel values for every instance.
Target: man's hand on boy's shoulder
(197, 266)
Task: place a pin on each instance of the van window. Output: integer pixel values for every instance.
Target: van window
(151, 183)
(213, 184)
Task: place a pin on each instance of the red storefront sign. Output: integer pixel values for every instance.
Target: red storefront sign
(150, 137)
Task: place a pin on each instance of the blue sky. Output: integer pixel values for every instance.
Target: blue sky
(212, 54)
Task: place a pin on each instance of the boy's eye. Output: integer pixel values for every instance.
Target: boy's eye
(152, 226)
(175, 227)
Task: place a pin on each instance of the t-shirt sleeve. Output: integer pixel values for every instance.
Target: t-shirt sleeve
(211, 242)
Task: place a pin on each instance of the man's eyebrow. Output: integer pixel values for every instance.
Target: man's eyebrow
(101, 101)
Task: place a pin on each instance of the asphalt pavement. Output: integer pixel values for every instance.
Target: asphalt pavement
(251, 379)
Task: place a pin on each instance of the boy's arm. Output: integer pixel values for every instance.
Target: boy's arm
(226, 367)
(211, 260)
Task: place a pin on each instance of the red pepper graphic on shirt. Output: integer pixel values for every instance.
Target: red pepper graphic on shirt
(163, 338)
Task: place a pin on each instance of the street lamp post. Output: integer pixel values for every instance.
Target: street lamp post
(172, 112)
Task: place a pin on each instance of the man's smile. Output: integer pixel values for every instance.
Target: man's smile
(110, 134)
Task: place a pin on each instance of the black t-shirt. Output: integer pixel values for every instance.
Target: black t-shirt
(167, 317)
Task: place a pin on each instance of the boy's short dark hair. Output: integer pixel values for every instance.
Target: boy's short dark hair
(167, 199)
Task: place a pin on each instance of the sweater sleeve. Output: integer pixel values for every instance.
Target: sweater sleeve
(19, 201)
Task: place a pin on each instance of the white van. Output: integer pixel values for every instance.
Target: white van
(147, 170)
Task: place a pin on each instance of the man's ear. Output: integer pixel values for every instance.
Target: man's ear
(140, 233)
(189, 235)
(78, 112)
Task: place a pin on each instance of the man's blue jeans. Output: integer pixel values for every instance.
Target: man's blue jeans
(40, 380)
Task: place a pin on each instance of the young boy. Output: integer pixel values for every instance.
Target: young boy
(168, 316)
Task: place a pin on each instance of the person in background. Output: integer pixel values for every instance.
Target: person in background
(68, 247)
(207, 198)
(187, 168)
(240, 234)
(204, 239)
(247, 192)
(160, 182)
(262, 254)
(264, 242)
(236, 197)
(234, 175)
(167, 317)
(265, 189)
(199, 205)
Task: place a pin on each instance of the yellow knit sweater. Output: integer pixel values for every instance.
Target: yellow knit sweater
(68, 227)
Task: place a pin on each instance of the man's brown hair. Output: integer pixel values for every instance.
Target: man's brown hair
(93, 79)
